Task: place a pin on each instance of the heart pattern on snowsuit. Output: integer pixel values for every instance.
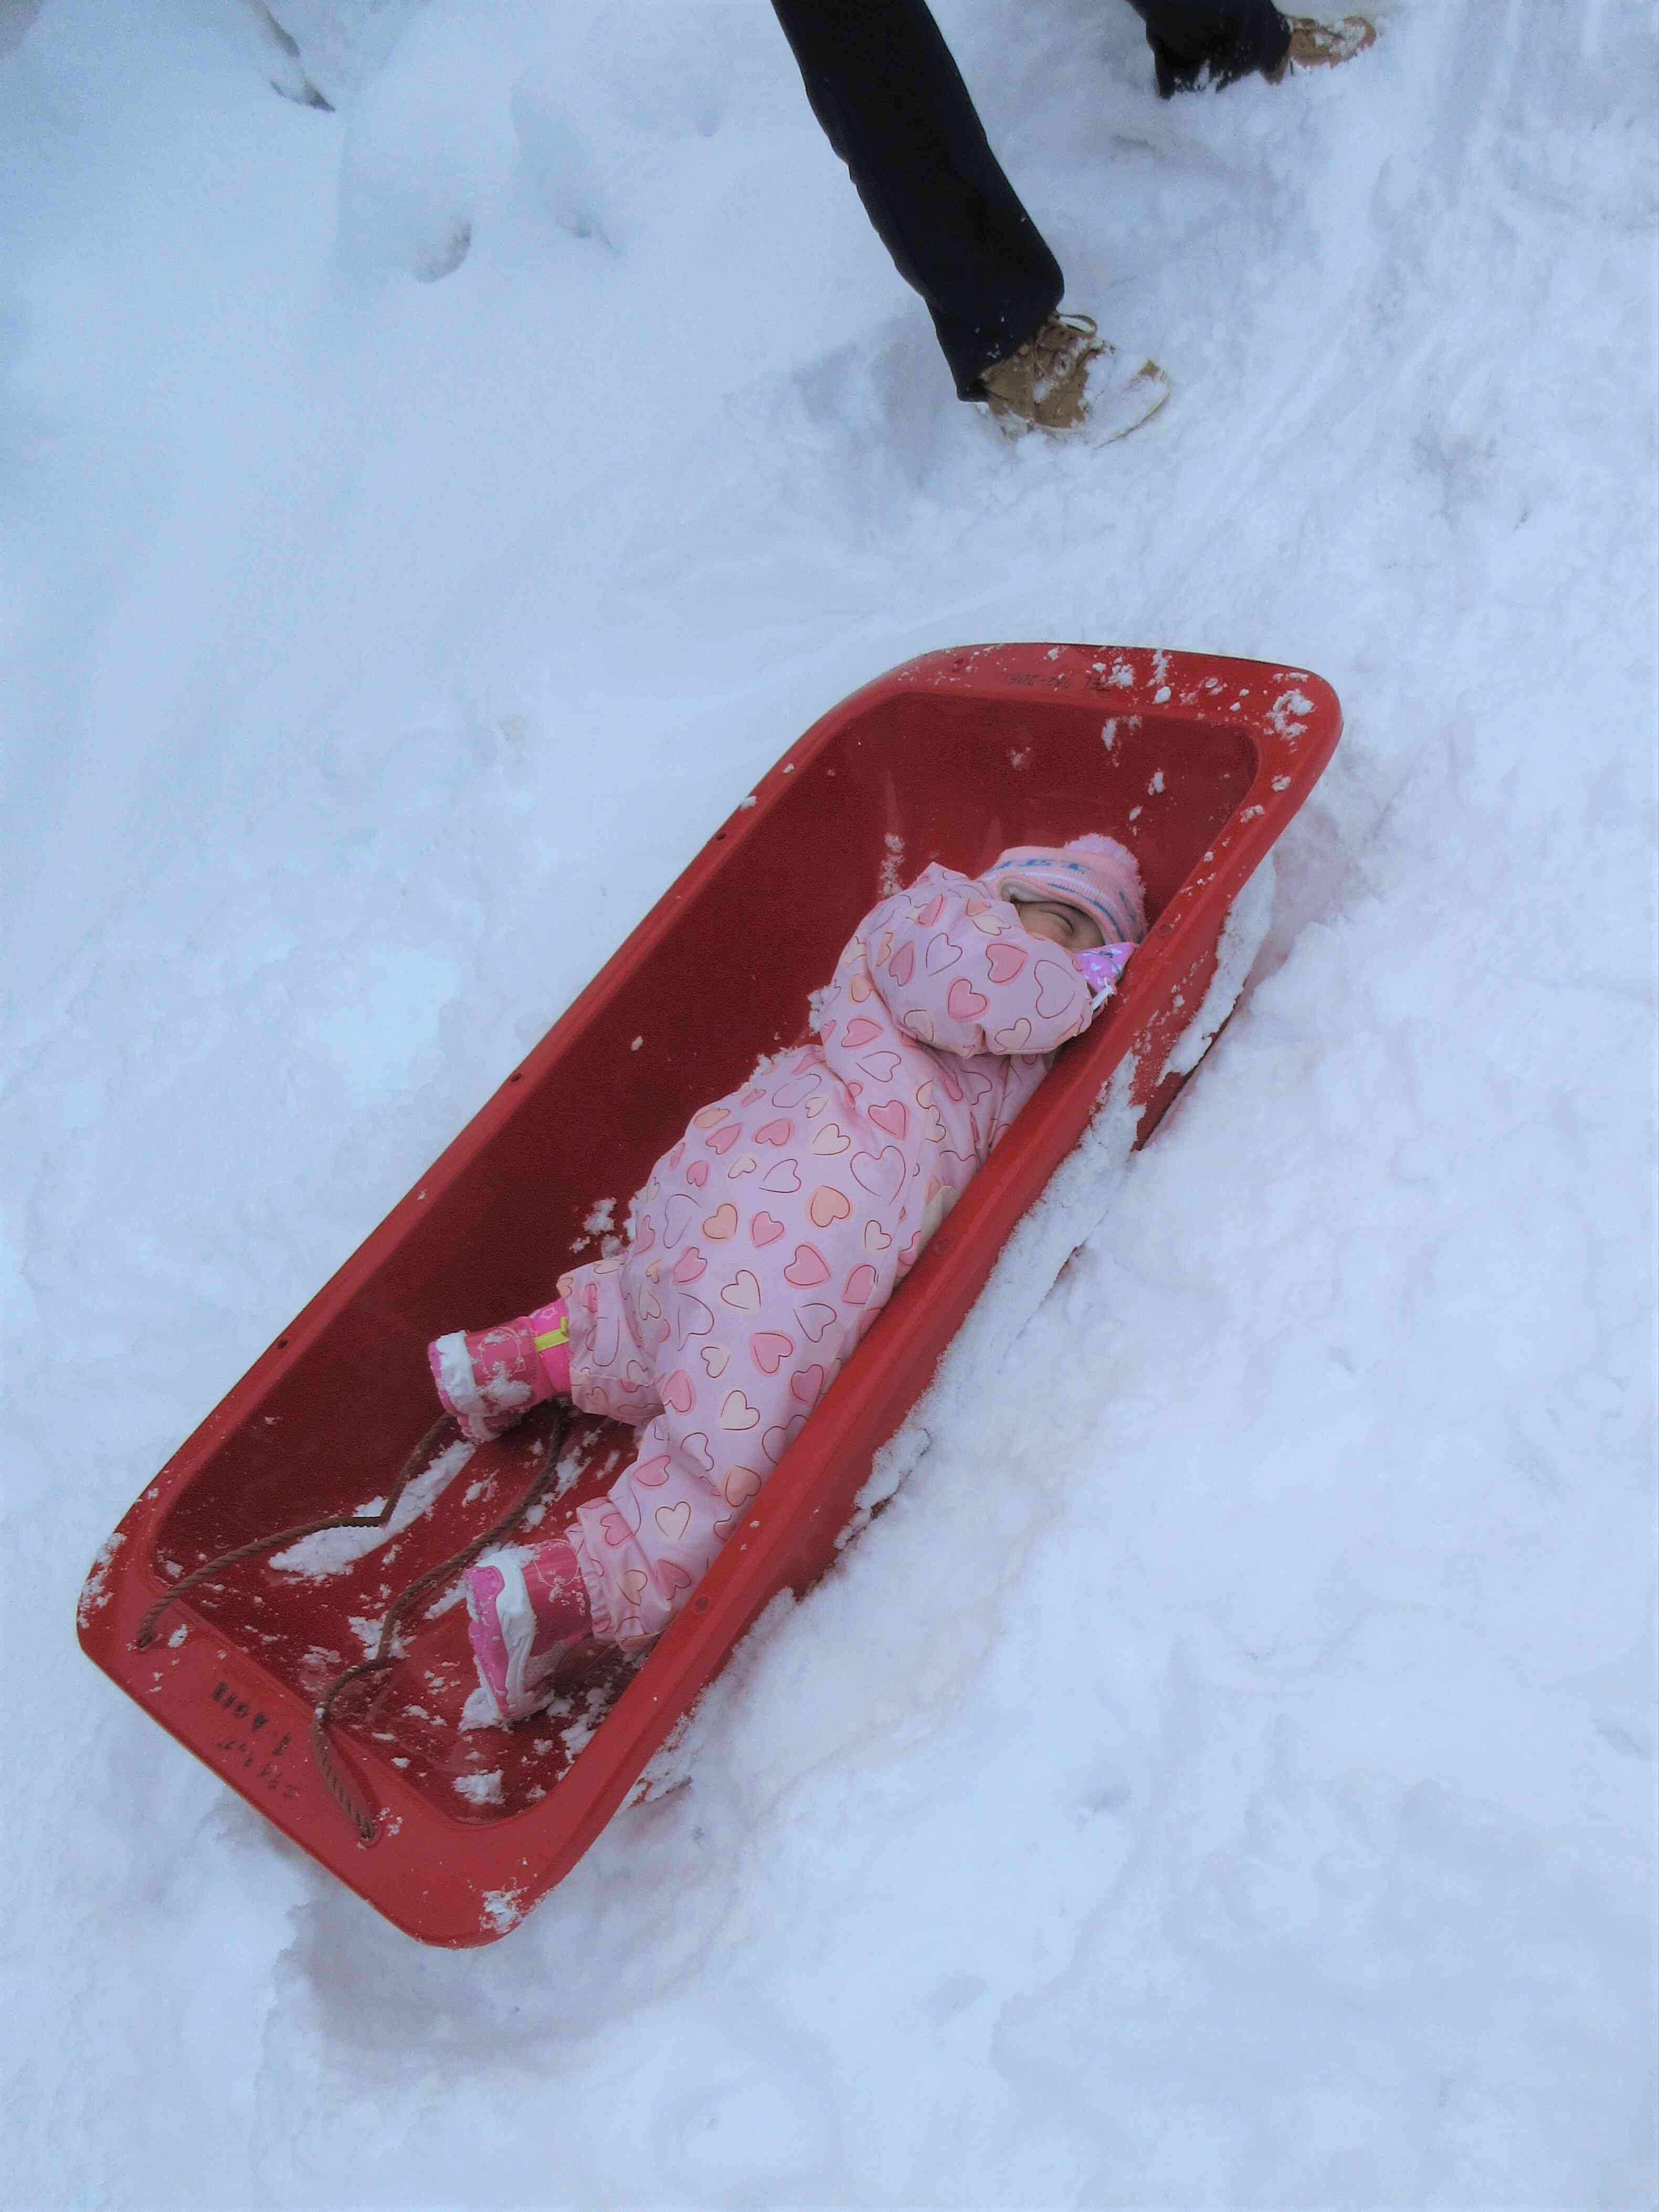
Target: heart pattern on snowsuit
(730, 1318)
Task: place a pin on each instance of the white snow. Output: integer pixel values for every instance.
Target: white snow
(1248, 920)
(479, 1711)
(1223, 1773)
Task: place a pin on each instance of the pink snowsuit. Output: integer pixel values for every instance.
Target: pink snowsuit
(767, 1240)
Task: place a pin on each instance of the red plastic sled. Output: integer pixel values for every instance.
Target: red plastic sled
(1198, 762)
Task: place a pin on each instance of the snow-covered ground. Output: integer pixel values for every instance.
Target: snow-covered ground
(1225, 1777)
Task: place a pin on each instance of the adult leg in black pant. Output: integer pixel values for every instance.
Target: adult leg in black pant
(1229, 38)
(893, 105)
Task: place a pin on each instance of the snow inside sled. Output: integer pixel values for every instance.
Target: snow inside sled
(1197, 763)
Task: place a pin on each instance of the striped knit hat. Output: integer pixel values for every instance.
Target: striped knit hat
(1095, 874)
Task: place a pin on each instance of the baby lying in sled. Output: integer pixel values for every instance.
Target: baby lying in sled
(766, 1242)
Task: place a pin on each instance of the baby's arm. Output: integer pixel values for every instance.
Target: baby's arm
(958, 973)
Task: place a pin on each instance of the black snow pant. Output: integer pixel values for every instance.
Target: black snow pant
(893, 105)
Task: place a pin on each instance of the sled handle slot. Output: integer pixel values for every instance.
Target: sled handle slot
(444, 1432)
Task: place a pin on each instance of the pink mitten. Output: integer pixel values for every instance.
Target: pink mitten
(1102, 970)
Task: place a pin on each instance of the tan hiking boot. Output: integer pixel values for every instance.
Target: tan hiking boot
(1044, 386)
(1322, 45)
(1069, 382)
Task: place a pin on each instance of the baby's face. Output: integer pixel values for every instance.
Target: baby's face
(1069, 926)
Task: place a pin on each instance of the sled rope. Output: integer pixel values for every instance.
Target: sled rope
(210, 1569)
(442, 1433)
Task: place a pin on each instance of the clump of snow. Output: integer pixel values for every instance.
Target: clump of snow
(503, 1908)
(479, 1711)
(94, 1591)
(480, 1789)
(574, 1716)
(1289, 711)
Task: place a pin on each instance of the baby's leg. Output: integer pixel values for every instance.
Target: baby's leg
(732, 1395)
(735, 1391)
(628, 1562)
(490, 1378)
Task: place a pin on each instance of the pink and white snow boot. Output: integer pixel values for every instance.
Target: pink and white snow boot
(525, 1611)
(490, 1378)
